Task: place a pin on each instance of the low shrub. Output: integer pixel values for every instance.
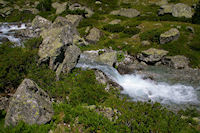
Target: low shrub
(18, 16)
(151, 35)
(44, 5)
(33, 43)
(14, 63)
(131, 31)
(116, 28)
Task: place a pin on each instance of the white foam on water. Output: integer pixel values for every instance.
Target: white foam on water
(145, 89)
(7, 30)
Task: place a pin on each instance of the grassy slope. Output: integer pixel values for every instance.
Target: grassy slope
(76, 89)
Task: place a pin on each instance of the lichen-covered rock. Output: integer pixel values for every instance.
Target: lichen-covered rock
(74, 19)
(182, 10)
(94, 36)
(55, 42)
(60, 22)
(130, 13)
(177, 10)
(40, 22)
(168, 36)
(165, 9)
(59, 7)
(161, 2)
(177, 62)
(152, 55)
(72, 54)
(116, 21)
(77, 6)
(145, 43)
(4, 102)
(29, 104)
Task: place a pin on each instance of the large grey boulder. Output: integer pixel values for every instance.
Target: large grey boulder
(182, 10)
(77, 6)
(58, 49)
(40, 22)
(29, 104)
(177, 62)
(130, 13)
(152, 55)
(72, 54)
(94, 36)
(168, 36)
(55, 42)
(60, 22)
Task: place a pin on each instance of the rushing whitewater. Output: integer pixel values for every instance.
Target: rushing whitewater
(7, 31)
(145, 89)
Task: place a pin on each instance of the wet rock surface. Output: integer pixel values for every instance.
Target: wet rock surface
(177, 62)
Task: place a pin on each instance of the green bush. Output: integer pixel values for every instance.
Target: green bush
(147, 117)
(195, 45)
(196, 16)
(116, 28)
(85, 88)
(18, 16)
(22, 127)
(33, 43)
(120, 57)
(44, 5)
(131, 31)
(89, 120)
(152, 35)
(14, 63)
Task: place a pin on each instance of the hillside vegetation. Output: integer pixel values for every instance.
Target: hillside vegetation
(80, 102)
